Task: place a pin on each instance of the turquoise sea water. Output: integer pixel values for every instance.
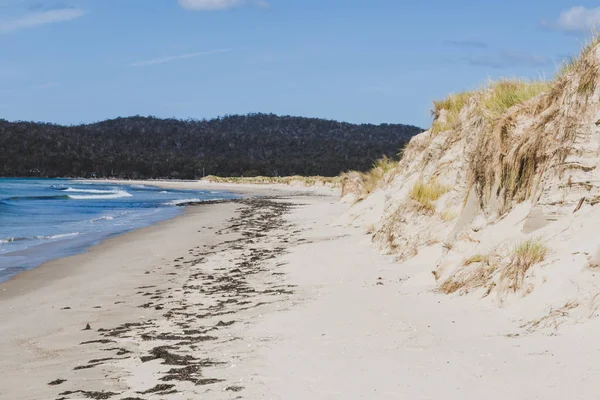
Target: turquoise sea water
(44, 219)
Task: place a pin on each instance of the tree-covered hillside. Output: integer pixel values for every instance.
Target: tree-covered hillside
(237, 145)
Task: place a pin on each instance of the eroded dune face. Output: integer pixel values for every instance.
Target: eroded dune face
(500, 196)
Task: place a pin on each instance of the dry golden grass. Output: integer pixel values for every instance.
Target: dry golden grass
(588, 79)
(426, 193)
(523, 257)
(476, 273)
(364, 183)
(508, 93)
(477, 258)
(512, 153)
(582, 66)
(452, 104)
(553, 320)
(448, 215)
(507, 165)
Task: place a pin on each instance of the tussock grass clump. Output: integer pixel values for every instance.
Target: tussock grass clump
(452, 104)
(426, 193)
(448, 215)
(477, 258)
(582, 66)
(508, 93)
(382, 166)
(476, 273)
(507, 166)
(523, 257)
(364, 183)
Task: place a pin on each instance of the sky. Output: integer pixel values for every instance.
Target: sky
(361, 61)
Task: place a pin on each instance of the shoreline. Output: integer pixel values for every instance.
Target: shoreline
(95, 242)
(52, 268)
(49, 307)
(239, 189)
(271, 298)
(248, 189)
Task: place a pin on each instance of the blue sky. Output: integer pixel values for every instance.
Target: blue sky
(372, 61)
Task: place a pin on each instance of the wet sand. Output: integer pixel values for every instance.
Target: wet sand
(147, 314)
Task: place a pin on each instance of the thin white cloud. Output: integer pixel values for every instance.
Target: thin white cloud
(577, 19)
(40, 18)
(175, 58)
(212, 5)
(508, 59)
(48, 85)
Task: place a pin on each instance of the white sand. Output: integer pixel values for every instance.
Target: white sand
(355, 326)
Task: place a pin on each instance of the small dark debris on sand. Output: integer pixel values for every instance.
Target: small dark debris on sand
(101, 341)
(91, 395)
(229, 289)
(168, 357)
(158, 388)
(56, 382)
(80, 367)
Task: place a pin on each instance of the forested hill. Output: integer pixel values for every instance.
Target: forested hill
(238, 145)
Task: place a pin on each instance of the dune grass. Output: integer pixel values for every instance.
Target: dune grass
(364, 183)
(587, 71)
(476, 273)
(508, 93)
(452, 104)
(426, 193)
(477, 258)
(523, 256)
(448, 215)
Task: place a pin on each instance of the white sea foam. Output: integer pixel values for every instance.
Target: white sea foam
(49, 237)
(112, 195)
(97, 191)
(183, 201)
(104, 218)
(60, 236)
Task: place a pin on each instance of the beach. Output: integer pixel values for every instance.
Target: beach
(272, 297)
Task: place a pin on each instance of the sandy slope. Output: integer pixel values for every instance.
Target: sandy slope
(274, 302)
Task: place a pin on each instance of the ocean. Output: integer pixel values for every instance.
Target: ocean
(45, 219)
